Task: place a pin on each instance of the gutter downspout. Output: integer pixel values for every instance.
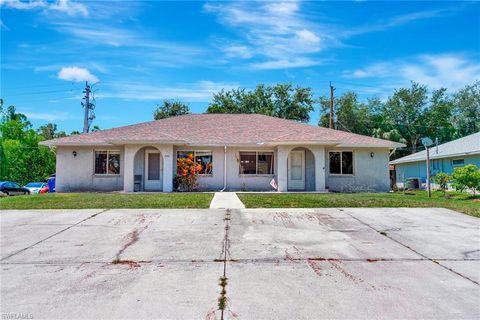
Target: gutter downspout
(224, 169)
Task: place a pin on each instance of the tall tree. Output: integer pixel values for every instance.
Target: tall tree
(350, 114)
(281, 100)
(467, 110)
(21, 159)
(438, 116)
(404, 111)
(170, 108)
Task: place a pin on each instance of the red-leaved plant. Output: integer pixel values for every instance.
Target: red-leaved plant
(187, 173)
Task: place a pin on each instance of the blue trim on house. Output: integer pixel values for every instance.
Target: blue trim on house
(418, 169)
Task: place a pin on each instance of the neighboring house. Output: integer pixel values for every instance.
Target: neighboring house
(443, 158)
(237, 152)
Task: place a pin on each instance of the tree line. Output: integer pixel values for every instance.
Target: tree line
(406, 116)
(21, 158)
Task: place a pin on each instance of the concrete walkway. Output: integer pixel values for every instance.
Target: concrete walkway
(226, 200)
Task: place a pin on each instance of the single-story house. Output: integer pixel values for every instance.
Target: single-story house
(443, 158)
(236, 151)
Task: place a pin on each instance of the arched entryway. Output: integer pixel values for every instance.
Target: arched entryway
(301, 170)
(148, 170)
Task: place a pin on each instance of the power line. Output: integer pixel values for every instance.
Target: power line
(374, 125)
(361, 85)
(50, 85)
(42, 92)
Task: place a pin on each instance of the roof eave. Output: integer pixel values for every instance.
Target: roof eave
(52, 143)
(301, 142)
(371, 145)
(131, 142)
(434, 156)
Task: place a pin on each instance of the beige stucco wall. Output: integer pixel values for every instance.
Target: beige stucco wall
(77, 174)
(235, 181)
(131, 152)
(369, 174)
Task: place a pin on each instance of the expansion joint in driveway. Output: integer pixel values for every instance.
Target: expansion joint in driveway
(436, 261)
(53, 235)
(222, 300)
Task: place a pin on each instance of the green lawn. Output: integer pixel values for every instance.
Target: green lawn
(457, 201)
(107, 201)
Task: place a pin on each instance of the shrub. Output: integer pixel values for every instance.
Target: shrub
(467, 177)
(442, 180)
(187, 173)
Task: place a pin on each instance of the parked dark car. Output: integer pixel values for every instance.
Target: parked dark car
(12, 188)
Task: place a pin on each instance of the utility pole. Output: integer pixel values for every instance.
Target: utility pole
(428, 173)
(427, 142)
(88, 106)
(331, 105)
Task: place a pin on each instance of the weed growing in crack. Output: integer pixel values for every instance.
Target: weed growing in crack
(222, 300)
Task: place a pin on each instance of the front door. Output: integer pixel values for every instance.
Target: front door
(153, 170)
(296, 170)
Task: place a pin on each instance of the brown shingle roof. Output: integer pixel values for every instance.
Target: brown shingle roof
(222, 129)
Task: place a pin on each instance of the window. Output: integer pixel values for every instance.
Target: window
(107, 162)
(458, 162)
(341, 162)
(203, 158)
(256, 162)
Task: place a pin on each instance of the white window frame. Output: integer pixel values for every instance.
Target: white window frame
(108, 154)
(256, 164)
(341, 167)
(195, 160)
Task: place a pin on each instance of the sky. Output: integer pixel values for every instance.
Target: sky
(141, 52)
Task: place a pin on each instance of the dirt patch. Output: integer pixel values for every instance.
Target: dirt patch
(323, 259)
(130, 263)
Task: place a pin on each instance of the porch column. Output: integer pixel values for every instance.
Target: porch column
(167, 152)
(319, 153)
(129, 155)
(282, 168)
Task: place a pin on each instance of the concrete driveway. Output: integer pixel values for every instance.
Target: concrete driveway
(280, 263)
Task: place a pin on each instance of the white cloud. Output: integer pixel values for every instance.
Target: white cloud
(76, 74)
(308, 36)
(54, 116)
(286, 64)
(395, 21)
(65, 6)
(21, 5)
(240, 51)
(276, 32)
(283, 36)
(435, 70)
(374, 70)
(200, 91)
(284, 8)
(70, 8)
